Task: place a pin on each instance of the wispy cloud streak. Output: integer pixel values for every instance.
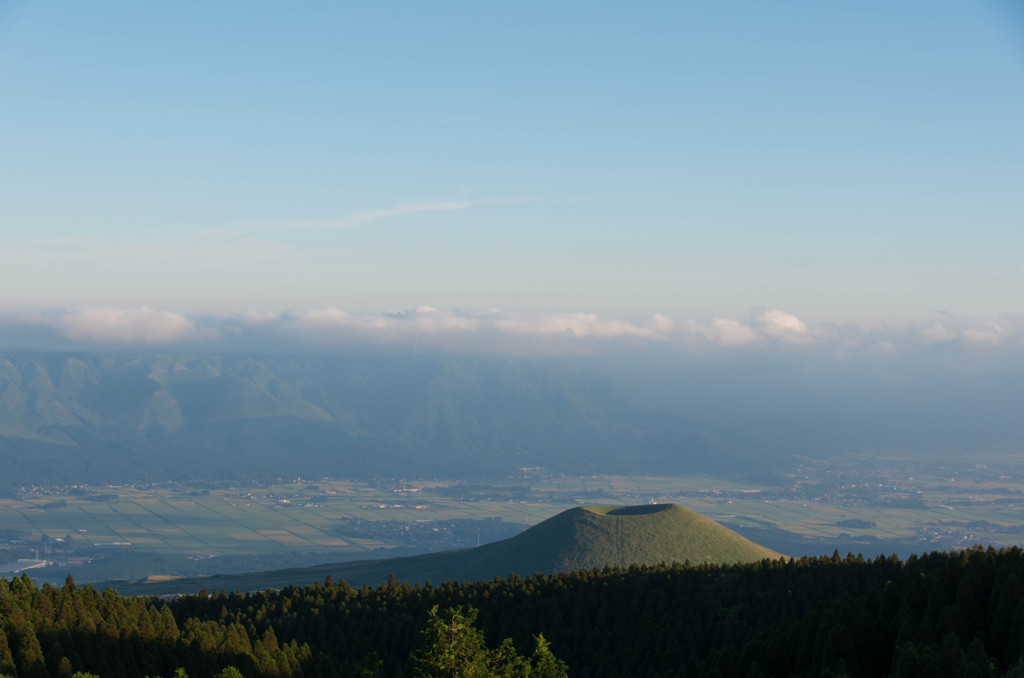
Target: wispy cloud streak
(364, 217)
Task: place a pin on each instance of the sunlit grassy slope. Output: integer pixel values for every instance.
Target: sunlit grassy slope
(594, 536)
(583, 537)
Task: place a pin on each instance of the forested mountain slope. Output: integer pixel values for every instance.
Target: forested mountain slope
(73, 418)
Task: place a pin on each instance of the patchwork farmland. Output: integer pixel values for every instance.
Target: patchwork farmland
(870, 505)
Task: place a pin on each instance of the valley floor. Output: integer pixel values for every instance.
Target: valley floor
(879, 503)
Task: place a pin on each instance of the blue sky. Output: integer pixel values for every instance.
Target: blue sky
(836, 162)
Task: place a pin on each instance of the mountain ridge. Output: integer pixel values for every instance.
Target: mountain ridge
(111, 419)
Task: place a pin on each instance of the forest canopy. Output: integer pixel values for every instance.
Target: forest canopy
(958, 613)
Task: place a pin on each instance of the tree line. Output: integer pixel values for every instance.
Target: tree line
(943, 614)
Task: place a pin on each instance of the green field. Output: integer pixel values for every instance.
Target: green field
(284, 517)
(891, 498)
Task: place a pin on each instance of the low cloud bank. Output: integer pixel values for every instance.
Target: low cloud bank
(492, 330)
(106, 325)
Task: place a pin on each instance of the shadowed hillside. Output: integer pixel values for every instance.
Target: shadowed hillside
(580, 538)
(86, 418)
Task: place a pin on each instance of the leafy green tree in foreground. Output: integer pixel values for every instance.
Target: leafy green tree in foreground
(454, 648)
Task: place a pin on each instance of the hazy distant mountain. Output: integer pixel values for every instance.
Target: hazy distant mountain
(580, 538)
(68, 418)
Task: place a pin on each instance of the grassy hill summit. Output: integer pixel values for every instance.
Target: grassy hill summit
(595, 536)
(579, 538)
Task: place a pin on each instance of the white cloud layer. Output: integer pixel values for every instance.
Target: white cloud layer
(492, 330)
(107, 325)
(781, 325)
(727, 332)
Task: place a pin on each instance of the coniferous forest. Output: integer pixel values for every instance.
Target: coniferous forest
(942, 614)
